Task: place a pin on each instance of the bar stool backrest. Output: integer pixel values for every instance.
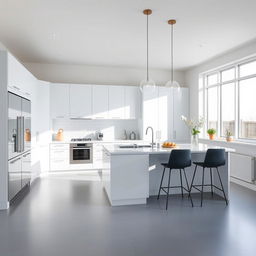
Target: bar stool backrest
(179, 159)
(214, 157)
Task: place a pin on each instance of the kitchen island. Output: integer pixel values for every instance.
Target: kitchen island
(131, 175)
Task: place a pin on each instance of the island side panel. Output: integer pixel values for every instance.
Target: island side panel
(129, 179)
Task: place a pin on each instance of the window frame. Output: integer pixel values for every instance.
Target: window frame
(204, 76)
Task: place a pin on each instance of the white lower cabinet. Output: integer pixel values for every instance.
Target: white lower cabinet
(97, 156)
(59, 157)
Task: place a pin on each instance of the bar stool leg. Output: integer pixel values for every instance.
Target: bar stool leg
(222, 186)
(202, 191)
(161, 184)
(193, 179)
(181, 184)
(188, 188)
(211, 181)
(167, 196)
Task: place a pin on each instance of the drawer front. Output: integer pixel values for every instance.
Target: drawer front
(59, 154)
(59, 165)
(59, 146)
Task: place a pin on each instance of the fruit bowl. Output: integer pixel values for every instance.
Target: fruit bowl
(169, 145)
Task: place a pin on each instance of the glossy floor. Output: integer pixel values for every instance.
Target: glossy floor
(70, 215)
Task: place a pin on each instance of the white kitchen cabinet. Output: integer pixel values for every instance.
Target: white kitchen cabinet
(20, 80)
(150, 110)
(100, 101)
(162, 110)
(116, 102)
(59, 157)
(131, 102)
(97, 155)
(80, 105)
(59, 100)
(181, 107)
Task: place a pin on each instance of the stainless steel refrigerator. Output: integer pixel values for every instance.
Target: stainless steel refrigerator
(19, 143)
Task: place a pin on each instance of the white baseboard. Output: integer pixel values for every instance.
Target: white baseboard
(251, 186)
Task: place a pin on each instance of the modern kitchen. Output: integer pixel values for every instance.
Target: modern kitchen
(132, 132)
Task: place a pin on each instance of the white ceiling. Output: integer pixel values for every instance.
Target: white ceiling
(112, 32)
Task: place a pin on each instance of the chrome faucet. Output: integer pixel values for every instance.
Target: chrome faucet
(149, 127)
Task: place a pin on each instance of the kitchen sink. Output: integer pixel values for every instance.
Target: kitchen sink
(135, 146)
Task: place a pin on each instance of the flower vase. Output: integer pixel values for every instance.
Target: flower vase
(194, 140)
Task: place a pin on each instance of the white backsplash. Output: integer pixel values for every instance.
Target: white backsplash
(112, 129)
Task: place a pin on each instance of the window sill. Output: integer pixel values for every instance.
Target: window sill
(241, 147)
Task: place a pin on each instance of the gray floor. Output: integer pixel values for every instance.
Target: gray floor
(71, 216)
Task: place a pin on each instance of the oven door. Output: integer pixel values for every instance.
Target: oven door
(80, 155)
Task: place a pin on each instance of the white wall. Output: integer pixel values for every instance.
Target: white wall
(191, 75)
(82, 74)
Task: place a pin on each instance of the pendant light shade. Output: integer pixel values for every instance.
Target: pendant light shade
(171, 83)
(147, 81)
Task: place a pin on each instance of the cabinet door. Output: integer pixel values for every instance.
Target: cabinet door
(59, 100)
(116, 102)
(132, 102)
(181, 107)
(26, 169)
(150, 110)
(100, 101)
(165, 125)
(80, 101)
(14, 173)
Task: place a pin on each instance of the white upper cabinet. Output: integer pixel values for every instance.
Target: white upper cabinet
(162, 109)
(131, 102)
(116, 102)
(59, 100)
(180, 107)
(100, 101)
(150, 110)
(80, 101)
(20, 80)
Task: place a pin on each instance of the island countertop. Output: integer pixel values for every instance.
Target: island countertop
(114, 149)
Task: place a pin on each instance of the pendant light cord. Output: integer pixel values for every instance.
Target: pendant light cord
(147, 50)
(172, 53)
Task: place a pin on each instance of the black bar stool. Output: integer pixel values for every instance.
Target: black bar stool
(179, 160)
(214, 158)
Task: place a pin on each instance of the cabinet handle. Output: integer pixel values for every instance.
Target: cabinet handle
(60, 160)
(99, 117)
(59, 151)
(15, 87)
(116, 117)
(13, 161)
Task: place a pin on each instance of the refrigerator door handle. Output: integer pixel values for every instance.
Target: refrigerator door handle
(22, 134)
(19, 134)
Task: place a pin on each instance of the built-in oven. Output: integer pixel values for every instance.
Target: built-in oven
(81, 153)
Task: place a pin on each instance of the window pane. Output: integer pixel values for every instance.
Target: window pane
(200, 82)
(212, 107)
(201, 103)
(247, 106)
(228, 108)
(247, 69)
(228, 75)
(212, 79)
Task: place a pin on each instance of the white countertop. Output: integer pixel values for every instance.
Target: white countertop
(100, 141)
(201, 148)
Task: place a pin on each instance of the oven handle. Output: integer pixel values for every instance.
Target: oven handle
(81, 148)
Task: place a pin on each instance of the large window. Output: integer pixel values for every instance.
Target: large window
(227, 99)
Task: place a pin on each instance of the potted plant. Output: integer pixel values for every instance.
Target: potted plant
(194, 127)
(229, 136)
(211, 132)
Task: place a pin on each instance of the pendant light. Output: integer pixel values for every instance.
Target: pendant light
(147, 81)
(171, 83)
